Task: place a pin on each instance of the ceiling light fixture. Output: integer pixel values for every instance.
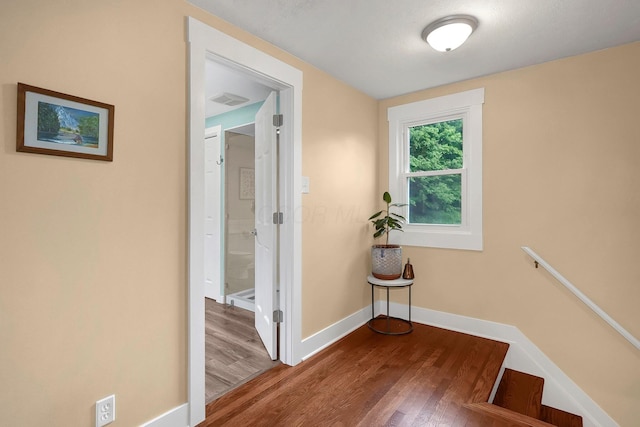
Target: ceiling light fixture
(448, 33)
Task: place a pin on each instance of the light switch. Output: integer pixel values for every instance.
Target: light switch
(305, 185)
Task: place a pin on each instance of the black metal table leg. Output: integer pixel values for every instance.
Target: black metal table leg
(399, 283)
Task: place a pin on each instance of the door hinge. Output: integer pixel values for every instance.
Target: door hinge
(278, 218)
(278, 317)
(278, 119)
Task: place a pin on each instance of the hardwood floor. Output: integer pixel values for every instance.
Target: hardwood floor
(366, 379)
(234, 353)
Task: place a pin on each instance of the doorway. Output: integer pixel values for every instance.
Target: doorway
(234, 350)
(232, 99)
(205, 42)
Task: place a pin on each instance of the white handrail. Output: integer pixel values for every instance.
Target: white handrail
(600, 312)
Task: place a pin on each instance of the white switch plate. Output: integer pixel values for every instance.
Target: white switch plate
(305, 185)
(106, 411)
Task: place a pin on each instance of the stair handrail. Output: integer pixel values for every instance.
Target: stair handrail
(582, 297)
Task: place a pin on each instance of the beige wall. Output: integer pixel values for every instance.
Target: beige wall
(335, 236)
(239, 255)
(93, 254)
(239, 154)
(561, 146)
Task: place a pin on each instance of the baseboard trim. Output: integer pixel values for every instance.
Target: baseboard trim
(176, 417)
(324, 338)
(523, 355)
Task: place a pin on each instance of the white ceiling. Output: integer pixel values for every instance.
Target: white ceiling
(375, 45)
(221, 78)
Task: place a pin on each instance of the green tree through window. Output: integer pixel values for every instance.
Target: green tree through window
(435, 198)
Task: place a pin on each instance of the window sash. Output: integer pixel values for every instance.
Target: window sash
(464, 198)
(433, 173)
(407, 174)
(432, 121)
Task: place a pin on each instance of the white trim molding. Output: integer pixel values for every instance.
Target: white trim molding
(177, 417)
(324, 338)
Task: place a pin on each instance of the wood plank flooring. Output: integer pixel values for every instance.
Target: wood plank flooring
(520, 392)
(366, 379)
(234, 353)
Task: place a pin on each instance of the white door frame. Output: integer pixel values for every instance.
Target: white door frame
(203, 42)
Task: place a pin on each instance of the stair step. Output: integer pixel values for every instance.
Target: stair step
(560, 418)
(520, 392)
(514, 418)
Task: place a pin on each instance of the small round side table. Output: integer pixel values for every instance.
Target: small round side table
(388, 284)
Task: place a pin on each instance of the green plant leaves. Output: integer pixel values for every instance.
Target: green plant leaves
(375, 215)
(390, 221)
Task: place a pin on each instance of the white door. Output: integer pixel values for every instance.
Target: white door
(266, 232)
(212, 236)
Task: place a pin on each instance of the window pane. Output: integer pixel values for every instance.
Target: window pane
(435, 147)
(435, 199)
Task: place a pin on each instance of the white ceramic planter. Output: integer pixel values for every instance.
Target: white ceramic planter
(386, 261)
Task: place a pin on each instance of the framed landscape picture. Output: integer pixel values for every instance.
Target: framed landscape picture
(63, 125)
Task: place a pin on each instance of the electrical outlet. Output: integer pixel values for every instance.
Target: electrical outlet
(106, 411)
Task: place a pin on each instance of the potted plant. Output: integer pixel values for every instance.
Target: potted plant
(386, 260)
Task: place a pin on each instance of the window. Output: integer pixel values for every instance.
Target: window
(435, 167)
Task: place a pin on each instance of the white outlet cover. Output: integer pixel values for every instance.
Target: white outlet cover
(106, 411)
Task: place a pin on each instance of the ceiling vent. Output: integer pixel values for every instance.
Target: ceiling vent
(229, 99)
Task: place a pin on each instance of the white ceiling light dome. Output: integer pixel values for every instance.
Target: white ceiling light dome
(450, 32)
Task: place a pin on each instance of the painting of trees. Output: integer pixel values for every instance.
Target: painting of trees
(47, 119)
(89, 126)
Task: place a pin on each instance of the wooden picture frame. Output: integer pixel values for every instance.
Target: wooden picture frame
(58, 124)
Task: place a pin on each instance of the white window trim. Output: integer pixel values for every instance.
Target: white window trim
(467, 105)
